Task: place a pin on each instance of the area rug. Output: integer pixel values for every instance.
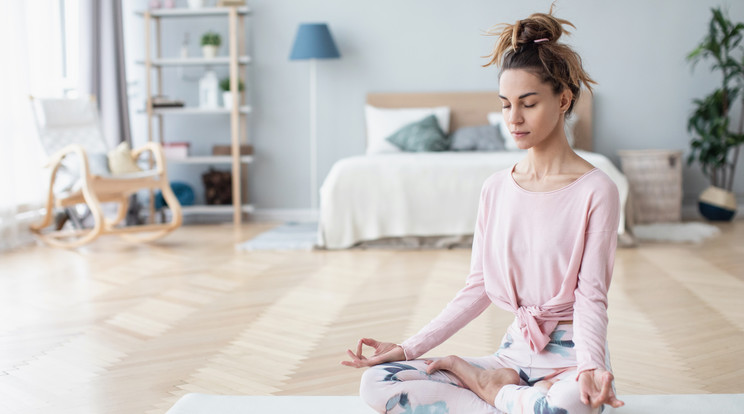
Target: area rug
(634, 404)
(692, 232)
(288, 236)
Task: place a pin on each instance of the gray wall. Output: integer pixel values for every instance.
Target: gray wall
(635, 49)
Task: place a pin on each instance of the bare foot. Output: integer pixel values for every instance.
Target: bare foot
(543, 385)
(486, 384)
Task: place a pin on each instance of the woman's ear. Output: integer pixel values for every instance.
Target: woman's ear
(566, 99)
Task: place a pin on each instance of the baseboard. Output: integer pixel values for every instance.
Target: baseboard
(297, 215)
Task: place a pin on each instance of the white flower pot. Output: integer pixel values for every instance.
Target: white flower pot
(209, 51)
(227, 99)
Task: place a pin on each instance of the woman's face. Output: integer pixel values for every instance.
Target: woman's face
(533, 113)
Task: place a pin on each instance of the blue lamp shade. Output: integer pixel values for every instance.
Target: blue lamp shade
(314, 41)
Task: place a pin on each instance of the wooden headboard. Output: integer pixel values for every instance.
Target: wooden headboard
(471, 108)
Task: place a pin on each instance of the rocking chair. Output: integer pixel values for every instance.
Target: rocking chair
(72, 137)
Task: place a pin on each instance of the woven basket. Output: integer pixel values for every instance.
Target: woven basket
(655, 178)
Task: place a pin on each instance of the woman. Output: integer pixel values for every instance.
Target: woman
(543, 248)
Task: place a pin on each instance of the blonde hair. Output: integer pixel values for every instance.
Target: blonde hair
(532, 44)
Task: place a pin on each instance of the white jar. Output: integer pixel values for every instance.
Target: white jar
(209, 90)
(196, 4)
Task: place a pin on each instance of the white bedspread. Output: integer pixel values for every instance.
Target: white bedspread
(369, 197)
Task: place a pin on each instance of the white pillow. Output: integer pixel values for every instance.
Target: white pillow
(383, 122)
(569, 126)
(497, 119)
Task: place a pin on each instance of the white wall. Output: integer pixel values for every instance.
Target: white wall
(635, 49)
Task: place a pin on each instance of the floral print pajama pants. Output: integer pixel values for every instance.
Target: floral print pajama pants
(405, 387)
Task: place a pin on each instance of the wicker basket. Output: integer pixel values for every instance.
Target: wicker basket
(655, 178)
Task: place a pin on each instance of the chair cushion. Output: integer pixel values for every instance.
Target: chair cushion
(120, 160)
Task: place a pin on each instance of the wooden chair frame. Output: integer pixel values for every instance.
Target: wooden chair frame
(97, 189)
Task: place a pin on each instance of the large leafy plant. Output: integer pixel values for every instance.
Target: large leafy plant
(714, 145)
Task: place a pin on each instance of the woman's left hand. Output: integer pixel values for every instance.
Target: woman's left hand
(595, 388)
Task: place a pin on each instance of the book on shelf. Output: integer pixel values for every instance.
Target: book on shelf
(226, 3)
(178, 150)
(160, 101)
(227, 149)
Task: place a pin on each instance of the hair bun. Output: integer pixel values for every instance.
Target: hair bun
(538, 27)
(534, 29)
(532, 44)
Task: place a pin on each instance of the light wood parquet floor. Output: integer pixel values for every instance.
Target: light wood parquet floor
(120, 328)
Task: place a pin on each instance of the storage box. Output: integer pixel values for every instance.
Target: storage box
(176, 149)
(655, 179)
(227, 150)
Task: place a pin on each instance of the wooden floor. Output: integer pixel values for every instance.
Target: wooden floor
(116, 328)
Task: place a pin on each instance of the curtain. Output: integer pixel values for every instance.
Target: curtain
(30, 29)
(102, 65)
(35, 61)
(103, 74)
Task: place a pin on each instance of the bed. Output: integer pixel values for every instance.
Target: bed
(429, 194)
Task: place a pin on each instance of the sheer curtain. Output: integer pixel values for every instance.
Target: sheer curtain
(33, 59)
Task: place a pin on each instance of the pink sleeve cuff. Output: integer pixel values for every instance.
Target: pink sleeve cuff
(405, 351)
(587, 367)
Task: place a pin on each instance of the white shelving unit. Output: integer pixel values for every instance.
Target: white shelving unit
(236, 61)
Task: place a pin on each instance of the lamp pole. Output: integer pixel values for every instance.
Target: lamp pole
(312, 42)
(313, 136)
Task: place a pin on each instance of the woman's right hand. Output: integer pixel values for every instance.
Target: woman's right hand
(384, 352)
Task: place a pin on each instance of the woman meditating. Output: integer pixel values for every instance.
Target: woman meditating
(543, 248)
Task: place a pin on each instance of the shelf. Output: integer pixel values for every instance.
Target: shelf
(196, 61)
(210, 159)
(186, 12)
(236, 61)
(193, 110)
(217, 209)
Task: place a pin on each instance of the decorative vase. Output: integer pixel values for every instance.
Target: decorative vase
(209, 51)
(717, 204)
(208, 90)
(196, 4)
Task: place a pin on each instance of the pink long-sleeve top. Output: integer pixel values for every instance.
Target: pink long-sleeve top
(546, 257)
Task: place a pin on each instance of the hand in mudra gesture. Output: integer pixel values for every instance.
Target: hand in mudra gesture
(595, 388)
(384, 352)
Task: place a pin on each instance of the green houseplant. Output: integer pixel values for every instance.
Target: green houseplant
(227, 95)
(210, 42)
(714, 145)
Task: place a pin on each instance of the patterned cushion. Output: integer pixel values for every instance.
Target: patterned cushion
(477, 138)
(420, 136)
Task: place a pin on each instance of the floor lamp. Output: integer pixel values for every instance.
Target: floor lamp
(313, 41)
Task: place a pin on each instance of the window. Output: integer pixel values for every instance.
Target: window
(70, 45)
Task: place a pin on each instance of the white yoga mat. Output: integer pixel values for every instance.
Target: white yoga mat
(634, 404)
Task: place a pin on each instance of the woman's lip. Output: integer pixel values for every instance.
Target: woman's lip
(519, 134)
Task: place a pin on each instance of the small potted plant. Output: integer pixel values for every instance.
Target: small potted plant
(227, 95)
(714, 145)
(210, 42)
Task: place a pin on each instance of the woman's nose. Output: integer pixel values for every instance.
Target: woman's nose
(515, 117)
